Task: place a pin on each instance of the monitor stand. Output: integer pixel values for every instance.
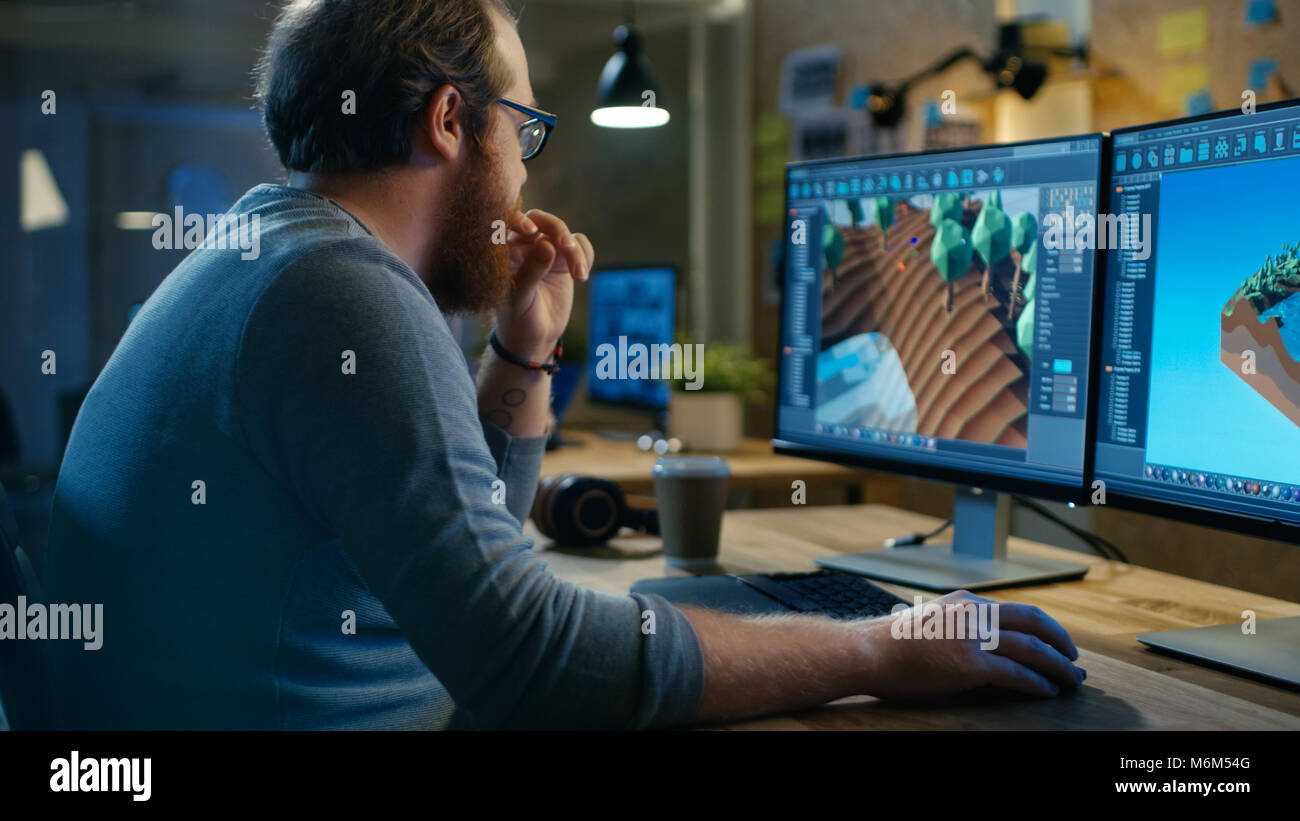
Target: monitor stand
(976, 559)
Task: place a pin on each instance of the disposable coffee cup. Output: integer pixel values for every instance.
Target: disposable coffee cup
(692, 492)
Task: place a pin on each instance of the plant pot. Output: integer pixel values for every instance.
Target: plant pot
(706, 421)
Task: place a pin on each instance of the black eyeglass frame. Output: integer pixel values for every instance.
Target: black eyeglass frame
(536, 115)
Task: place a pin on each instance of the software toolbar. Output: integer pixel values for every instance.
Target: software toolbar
(1144, 156)
(914, 174)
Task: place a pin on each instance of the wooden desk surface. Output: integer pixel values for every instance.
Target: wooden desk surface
(1128, 686)
(753, 464)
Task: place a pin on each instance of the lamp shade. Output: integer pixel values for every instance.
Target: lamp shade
(628, 93)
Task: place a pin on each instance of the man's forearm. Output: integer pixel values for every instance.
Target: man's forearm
(771, 664)
(514, 399)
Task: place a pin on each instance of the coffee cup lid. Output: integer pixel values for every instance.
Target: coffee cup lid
(691, 466)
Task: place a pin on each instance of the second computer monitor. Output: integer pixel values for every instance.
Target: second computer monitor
(629, 308)
(938, 313)
(1199, 402)
(1200, 383)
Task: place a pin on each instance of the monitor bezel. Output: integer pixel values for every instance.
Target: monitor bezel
(1134, 501)
(956, 476)
(622, 268)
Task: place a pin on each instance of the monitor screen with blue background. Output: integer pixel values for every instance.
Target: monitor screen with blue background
(1200, 361)
(630, 306)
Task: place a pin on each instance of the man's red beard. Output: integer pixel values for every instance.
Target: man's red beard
(471, 273)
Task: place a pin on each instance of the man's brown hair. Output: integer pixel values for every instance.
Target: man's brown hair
(393, 55)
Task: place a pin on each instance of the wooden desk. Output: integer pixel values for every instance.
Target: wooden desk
(753, 467)
(1128, 686)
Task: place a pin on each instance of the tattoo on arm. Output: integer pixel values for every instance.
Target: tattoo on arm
(502, 419)
(514, 397)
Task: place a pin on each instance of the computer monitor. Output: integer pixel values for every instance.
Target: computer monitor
(1199, 403)
(629, 306)
(933, 326)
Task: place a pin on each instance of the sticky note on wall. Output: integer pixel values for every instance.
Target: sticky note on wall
(1182, 31)
(771, 146)
(1261, 12)
(1178, 83)
(1260, 71)
(772, 129)
(1199, 102)
(768, 207)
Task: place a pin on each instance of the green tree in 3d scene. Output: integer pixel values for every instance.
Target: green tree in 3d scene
(856, 212)
(1025, 330)
(833, 249)
(991, 237)
(882, 210)
(950, 251)
(946, 206)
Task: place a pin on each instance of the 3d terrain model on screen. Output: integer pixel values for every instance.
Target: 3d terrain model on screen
(927, 314)
(1260, 326)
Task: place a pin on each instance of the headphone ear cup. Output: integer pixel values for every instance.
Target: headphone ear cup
(586, 511)
(543, 502)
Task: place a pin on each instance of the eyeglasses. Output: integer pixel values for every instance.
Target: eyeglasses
(534, 131)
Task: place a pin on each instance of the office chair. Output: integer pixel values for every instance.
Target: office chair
(25, 677)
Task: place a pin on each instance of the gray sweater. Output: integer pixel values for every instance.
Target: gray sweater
(342, 564)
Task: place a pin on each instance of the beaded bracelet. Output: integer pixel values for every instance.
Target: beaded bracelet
(548, 367)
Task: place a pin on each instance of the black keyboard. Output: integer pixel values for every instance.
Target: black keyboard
(827, 593)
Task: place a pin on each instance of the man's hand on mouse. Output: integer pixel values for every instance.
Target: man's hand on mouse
(1033, 653)
(547, 259)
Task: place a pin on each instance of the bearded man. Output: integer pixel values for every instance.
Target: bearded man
(284, 486)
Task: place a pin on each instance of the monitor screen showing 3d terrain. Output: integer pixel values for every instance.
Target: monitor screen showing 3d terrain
(1200, 387)
(928, 316)
(907, 280)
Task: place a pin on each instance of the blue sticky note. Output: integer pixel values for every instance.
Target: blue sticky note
(1199, 102)
(933, 114)
(1261, 12)
(1260, 71)
(858, 97)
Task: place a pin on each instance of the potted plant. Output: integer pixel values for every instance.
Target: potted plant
(706, 412)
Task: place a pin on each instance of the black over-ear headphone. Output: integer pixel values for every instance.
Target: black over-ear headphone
(586, 511)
